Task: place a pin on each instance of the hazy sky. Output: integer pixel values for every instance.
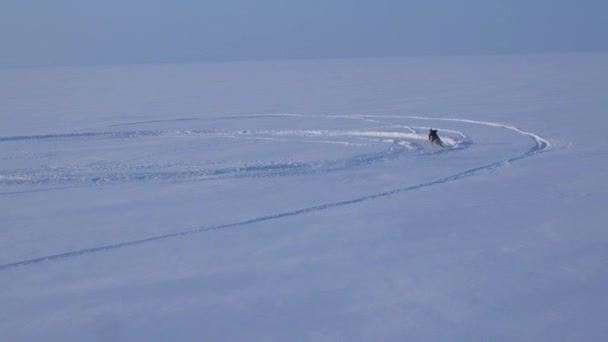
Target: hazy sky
(83, 32)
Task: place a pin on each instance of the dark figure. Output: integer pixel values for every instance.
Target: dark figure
(434, 138)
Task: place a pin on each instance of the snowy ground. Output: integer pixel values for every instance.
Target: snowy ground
(301, 201)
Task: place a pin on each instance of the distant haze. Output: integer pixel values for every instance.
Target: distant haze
(82, 32)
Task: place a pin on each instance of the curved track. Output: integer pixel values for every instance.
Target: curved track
(398, 141)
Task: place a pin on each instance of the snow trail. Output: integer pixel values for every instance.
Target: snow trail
(540, 145)
(121, 173)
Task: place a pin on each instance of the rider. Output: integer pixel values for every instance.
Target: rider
(434, 138)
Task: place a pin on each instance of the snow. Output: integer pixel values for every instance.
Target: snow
(301, 200)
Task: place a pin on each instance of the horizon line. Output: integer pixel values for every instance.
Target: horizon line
(294, 59)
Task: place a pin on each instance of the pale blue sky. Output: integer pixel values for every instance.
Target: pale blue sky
(86, 32)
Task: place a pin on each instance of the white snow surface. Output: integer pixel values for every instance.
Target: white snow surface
(302, 201)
